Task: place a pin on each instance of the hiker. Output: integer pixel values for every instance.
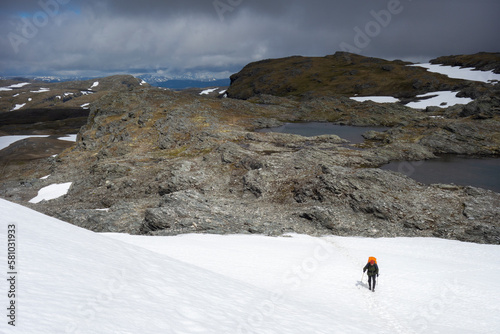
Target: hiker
(372, 269)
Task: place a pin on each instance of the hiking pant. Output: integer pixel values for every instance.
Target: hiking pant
(370, 279)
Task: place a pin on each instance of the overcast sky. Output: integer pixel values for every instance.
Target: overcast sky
(219, 37)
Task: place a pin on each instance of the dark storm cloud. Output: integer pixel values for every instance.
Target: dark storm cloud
(68, 36)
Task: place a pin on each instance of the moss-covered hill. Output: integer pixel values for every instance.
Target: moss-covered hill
(341, 74)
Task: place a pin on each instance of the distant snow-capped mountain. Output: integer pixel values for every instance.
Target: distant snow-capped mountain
(172, 82)
(183, 83)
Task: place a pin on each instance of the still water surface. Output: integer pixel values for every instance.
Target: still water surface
(459, 170)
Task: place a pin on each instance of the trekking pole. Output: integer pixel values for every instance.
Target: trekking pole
(362, 277)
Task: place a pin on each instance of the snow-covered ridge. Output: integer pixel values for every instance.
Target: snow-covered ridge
(85, 282)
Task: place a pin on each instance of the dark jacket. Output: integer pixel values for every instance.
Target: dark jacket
(372, 270)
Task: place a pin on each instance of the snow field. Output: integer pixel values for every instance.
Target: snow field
(424, 284)
(75, 281)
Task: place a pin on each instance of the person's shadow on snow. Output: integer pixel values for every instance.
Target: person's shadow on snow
(362, 284)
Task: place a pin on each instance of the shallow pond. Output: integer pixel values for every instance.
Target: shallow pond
(459, 170)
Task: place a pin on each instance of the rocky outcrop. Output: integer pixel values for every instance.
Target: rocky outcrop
(485, 107)
(157, 162)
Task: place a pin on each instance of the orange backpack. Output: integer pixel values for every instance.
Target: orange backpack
(372, 258)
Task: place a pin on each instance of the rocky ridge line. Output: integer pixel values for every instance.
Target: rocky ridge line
(155, 162)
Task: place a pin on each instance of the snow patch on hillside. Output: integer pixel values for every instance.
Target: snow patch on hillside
(432, 99)
(71, 138)
(378, 99)
(41, 90)
(52, 191)
(457, 72)
(208, 91)
(18, 106)
(439, 99)
(14, 86)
